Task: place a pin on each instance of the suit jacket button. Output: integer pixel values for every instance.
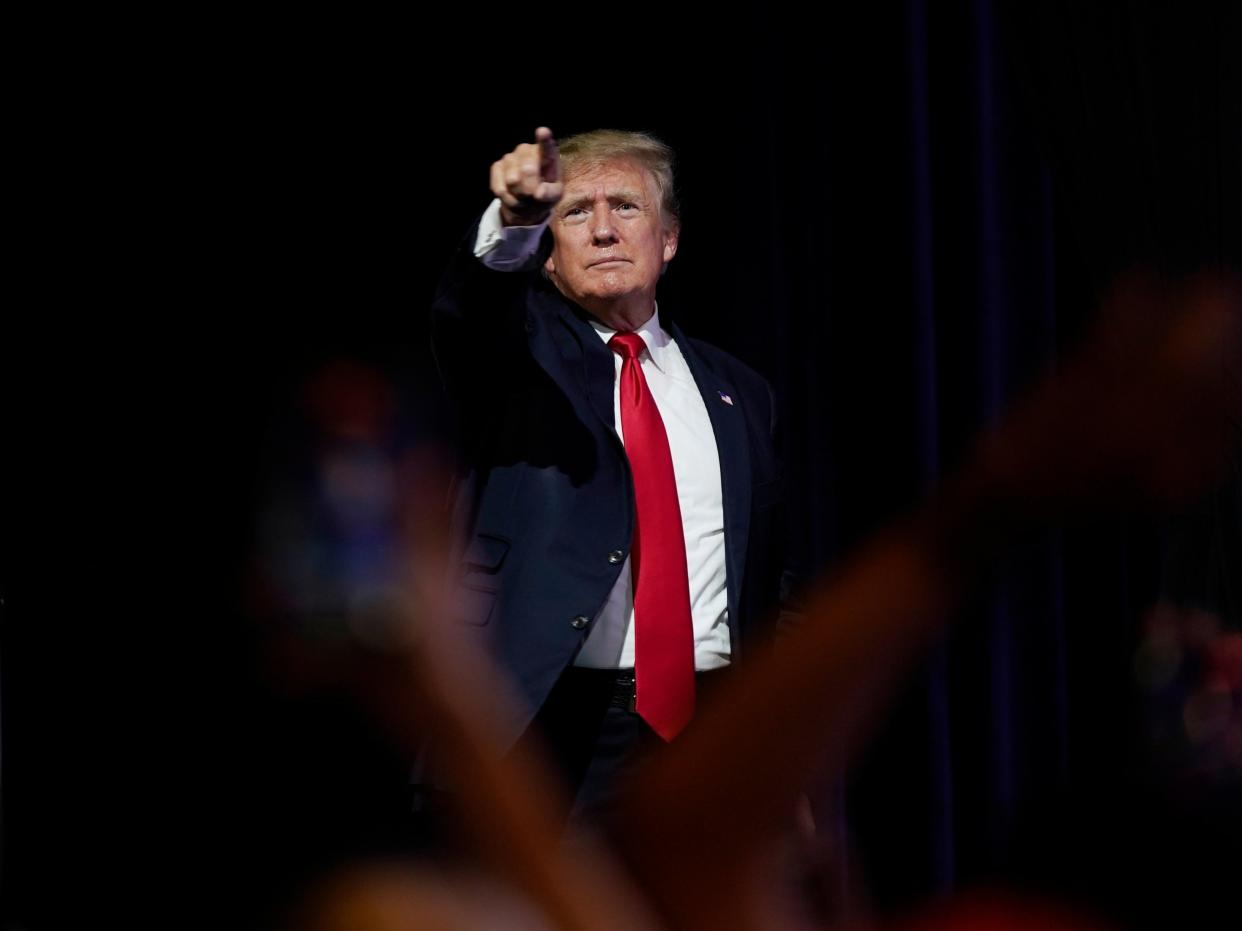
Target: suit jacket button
(615, 557)
(579, 622)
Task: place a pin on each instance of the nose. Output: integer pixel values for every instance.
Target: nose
(603, 232)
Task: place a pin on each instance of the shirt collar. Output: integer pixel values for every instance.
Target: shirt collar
(654, 336)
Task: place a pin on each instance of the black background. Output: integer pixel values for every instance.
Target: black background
(213, 207)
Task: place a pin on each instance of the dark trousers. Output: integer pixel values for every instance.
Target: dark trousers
(593, 736)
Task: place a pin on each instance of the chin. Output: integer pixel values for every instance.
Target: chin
(600, 291)
(610, 297)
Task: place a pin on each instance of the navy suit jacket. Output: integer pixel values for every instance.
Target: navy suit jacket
(545, 496)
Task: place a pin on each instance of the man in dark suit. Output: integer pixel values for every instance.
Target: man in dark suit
(621, 495)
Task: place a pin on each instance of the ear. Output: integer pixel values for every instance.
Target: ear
(671, 236)
(549, 267)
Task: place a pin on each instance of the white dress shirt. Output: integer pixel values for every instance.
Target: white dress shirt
(696, 468)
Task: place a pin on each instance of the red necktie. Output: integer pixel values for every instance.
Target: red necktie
(664, 633)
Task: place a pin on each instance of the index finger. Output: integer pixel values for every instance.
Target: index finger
(549, 157)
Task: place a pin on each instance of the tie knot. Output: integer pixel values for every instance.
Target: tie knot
(627, 345)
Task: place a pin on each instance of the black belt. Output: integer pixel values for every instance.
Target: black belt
(620, 682)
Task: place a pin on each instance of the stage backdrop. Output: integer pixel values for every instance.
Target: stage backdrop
(901, 215)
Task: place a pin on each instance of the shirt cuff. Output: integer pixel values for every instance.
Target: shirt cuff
(506, 248)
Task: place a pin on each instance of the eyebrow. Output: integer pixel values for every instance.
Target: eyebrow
(622, 196)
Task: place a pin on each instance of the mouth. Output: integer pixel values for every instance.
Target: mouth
(608, 263)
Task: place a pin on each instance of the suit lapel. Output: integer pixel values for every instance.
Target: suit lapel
(733, 447)
(572, 353)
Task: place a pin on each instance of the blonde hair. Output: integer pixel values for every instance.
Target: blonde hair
(599, 146)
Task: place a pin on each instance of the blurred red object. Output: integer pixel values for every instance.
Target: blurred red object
(995, 911)
(350, 401)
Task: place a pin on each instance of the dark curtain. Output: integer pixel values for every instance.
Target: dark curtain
(901, 214)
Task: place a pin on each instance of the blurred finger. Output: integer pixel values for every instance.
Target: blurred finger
(529, 169)
(549, 192)
(512, 169)
(549, 155)
(499, 188)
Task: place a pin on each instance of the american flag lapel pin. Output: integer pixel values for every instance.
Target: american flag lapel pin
(724, 397)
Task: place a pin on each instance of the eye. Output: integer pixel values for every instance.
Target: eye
(627, 206)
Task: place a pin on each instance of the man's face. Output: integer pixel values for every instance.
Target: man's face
(610, 238)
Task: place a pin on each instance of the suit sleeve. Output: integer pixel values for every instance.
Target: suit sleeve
(478, 325)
